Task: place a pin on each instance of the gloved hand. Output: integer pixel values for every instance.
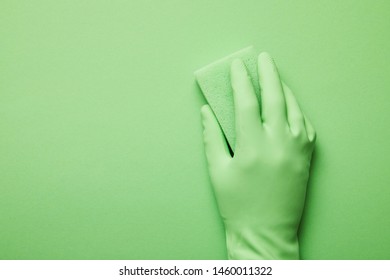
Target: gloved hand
(261, 190)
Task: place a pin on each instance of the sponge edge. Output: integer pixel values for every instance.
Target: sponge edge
(214, 81)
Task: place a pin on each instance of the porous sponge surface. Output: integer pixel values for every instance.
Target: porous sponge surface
(214, 81)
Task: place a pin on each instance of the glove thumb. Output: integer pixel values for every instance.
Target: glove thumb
(215, 144)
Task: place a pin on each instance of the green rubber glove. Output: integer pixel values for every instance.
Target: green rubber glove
(261, 190)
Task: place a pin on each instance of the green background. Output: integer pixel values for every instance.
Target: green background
(101, 153)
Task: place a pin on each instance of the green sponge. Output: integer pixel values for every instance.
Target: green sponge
(214, 81)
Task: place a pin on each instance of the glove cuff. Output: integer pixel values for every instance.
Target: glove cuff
(256, 243)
